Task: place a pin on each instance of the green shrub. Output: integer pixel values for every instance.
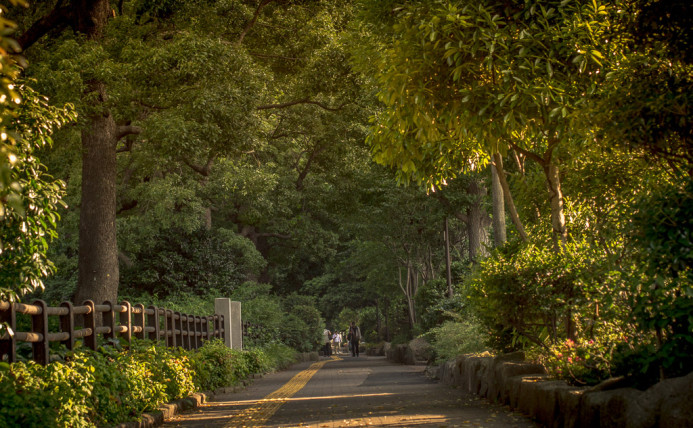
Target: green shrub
(57, 395)
(215, 366)
(257, 361)
(533, 295)
(453, 338)
(662, 291)
(279, 355)
(582, 362)
(114, 385)
(126, 383)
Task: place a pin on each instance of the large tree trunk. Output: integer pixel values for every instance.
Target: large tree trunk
(477, 221)
(98, 248)
(560, 232)
(499, 235)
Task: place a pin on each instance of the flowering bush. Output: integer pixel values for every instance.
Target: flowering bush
(582, 362)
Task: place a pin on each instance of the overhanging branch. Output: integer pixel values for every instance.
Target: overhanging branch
(302, 101)
(125, 130)
(57, 19)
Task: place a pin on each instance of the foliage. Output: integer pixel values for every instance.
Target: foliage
(585, 362)
(280, 355)
(434, 306)
(457, 336)
(344, 319)
(662, 292)
(216, 365)
(10, 64)
(191, 263)
(114, 385)
(302, 328)
(541, 296)
(56, 395)
(29, 223)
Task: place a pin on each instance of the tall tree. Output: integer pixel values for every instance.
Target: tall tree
(462, 81)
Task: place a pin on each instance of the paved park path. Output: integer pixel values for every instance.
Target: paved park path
(344, 391)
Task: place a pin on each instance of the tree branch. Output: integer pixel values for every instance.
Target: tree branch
(302, 101)
(273, 235)
(304, 172)
(57, 19)
(535, 157)
(250, 24)
(287, 58)
(125, 130)
(498, 164)
(202, 170)
(447, 204)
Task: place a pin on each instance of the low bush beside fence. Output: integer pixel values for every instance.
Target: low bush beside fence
(113, 384)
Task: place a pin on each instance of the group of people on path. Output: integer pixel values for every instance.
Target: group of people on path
(336, 340)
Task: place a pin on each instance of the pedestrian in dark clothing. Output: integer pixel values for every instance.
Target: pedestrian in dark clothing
(354, 339)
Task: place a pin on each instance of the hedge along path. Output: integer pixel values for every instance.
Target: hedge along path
(259, 414)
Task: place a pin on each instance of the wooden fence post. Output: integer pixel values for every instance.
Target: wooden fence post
(178, 328)
(9, 346)
(168, 328)
(153, 321)
(198, 332)
(109, 320)
(125, 319)
(90, 322)
(39, 325)
(67, 324)
(139, 320)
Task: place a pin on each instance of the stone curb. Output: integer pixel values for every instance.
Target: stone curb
(526, 387)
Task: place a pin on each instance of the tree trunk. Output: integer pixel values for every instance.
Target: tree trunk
(378, 324)
(98, 248)
(477, 221)
(407, 290)
(448, 275)
(499, 235)
(560, 233)
(498, 163)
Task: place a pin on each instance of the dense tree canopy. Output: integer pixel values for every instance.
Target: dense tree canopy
(206, 148)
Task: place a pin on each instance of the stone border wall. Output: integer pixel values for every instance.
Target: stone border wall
(508, 379)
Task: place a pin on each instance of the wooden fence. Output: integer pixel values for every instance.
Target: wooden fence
(177, 329)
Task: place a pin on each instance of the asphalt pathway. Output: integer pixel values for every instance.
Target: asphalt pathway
(344, 391)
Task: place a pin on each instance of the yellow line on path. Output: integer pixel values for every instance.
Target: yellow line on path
(259, 414)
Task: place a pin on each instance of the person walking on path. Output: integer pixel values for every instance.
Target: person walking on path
(327, 342)
(354, 339)
(337, 338)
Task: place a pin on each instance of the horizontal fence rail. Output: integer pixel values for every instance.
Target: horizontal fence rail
(124, 320)
(253, 331)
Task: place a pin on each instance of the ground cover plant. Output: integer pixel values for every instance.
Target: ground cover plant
(116, 384)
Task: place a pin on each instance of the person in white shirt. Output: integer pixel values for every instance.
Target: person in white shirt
(337, 339)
